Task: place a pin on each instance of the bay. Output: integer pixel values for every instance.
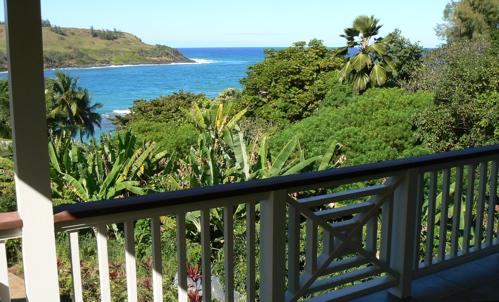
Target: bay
(117, 87)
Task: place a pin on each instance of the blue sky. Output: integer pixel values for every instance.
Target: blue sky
(255, 23)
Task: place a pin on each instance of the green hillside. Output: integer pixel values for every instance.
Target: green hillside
(77, 47)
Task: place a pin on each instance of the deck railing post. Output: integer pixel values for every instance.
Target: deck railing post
(404, 229)
(272, 247)
(29, 133)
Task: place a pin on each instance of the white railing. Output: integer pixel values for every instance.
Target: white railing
(324, 236)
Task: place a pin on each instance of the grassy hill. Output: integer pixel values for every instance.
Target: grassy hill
(76, 47)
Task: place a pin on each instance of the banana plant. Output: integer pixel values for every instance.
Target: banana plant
(224, 154)
(118, 166)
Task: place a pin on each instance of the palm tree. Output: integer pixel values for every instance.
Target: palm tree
(69, 106)
(370, 63)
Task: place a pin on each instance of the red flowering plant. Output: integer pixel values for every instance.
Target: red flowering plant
(194, 284)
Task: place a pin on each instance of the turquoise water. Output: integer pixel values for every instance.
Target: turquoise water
(117, 87)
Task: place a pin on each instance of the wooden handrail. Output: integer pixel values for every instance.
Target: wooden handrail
(10, 220)
(115, 206)
(151, 201)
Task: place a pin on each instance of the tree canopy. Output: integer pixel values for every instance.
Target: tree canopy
(160, 109)
(290, 83)
(469, 19)
(405, 55)
(464, 77)
(69, 106)
(374, 126)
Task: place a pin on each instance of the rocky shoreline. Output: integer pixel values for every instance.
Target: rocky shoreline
(188, 61)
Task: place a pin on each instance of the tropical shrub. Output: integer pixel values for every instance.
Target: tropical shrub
(162, 109)
(172, 136)
(465, 79)
(375, 126)
(406, 57)
(289, 84)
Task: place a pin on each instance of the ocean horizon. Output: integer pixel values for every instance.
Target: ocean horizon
(117, 87)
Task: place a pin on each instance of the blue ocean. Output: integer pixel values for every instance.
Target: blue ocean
(117, 87)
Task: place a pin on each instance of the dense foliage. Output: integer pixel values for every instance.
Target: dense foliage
(118, 166)
(290, 83)
(68, 107)
(161, 109)
(465, 79)
(375, 126)
(406, 57)
(469, 19)
(162, 118)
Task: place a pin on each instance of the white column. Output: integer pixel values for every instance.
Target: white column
(27, 106)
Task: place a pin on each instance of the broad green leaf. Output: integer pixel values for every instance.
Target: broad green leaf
(53, 158)
(175, 185)
(77, 187)
(228, 137)
(140, 161)
(278, 164)
(240, 152)
(213, 171)
(136, 190)
(360, 81)
(261, 163)
(345, 72)
(6, 163)
(112, 176)
(110, 194)
(194, 218)
(341, 51)
(378, 75)
(159, 156)
(328, 156)
(219, 118)
(125, 184)
(74, 153)
(128, 165)
(378, 48)
(236, 118)
(301, 165)
(389, 64)
(360, 61)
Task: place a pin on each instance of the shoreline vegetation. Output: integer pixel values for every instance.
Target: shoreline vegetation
(192, 61)
(70, 48)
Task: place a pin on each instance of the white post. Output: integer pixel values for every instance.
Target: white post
(403, 242)
(29, 132)
(272, 247)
